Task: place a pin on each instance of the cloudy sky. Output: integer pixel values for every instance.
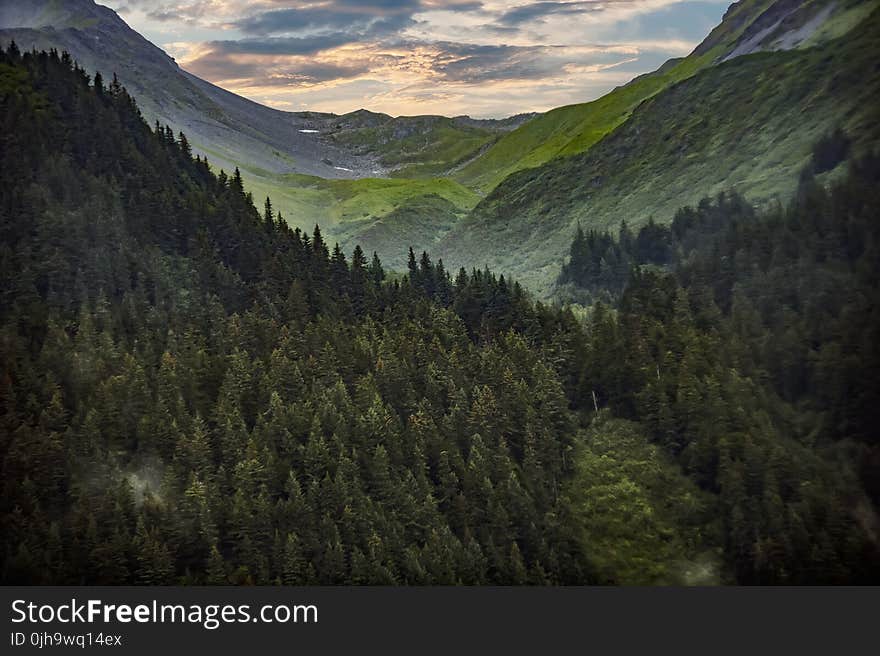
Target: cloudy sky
(486, 58)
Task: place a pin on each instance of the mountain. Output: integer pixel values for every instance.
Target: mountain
(746, 122)
(276, 461)
(267, 144)
(748, 26)
(229, 129)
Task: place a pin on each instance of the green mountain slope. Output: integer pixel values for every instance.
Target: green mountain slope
(748, 123)
(564, 130)
(384, 215)
(748, 26)
(418, 146)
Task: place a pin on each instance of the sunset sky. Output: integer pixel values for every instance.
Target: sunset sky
(487, 58)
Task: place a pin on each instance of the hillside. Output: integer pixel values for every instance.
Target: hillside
(748, 26)
(229, 129)
(747, 123)
(384, 215)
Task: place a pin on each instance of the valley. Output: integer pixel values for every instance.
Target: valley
(741, 111)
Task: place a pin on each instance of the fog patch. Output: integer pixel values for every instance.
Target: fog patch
(704, 569)
(146, 480)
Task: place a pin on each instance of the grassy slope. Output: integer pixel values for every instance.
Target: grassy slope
(566, 130)
(418, 146)
(386, 215)
(574, 129)
(852, 13)
(418, 222)
(643, 522)
(747, 124)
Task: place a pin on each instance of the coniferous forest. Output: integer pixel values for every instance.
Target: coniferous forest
(193, 392)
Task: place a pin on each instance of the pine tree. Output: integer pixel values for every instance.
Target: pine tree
(268, 214)
(215, 568)
(377, 273)
(115, 87)
(413, 267)
(183, 142)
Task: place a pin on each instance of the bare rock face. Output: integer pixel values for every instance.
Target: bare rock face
(785, 25)
(751, 26)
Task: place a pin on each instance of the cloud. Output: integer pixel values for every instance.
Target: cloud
(485, 57)
(306, 45)
(367, 18)
(537, 10)
(293, 21)
(474, 64)
(304, 63)
(190, 11)
(256, 72)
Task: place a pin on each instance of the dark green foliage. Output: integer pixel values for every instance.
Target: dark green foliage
(192, 392)
(601, 266)
(830, 151)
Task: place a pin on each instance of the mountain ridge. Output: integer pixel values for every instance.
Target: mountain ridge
(230, 129)
(575, 128)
